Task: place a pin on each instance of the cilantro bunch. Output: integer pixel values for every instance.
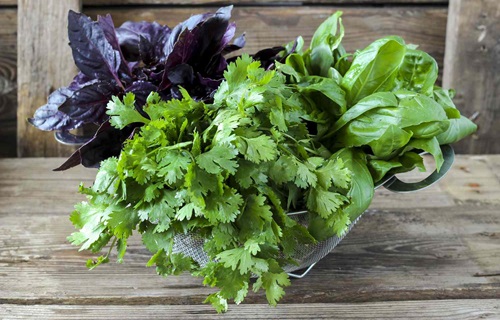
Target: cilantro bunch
(228, 172)
(313, 132)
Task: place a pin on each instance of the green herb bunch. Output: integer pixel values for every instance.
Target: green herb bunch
(316, 132)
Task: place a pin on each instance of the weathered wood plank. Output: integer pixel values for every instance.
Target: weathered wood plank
(8, 75)
(408, 251)
(472, 179)
(44, 64)
(442, 309)
(472, 68)
(389, 256)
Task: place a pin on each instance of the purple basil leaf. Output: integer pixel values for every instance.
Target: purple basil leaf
(181, 74)
(93, 54)
(188, 24)
(213, 84)
(197, 45)
(228, 35)
(216, 66)
(150, 48)
(79, 81)
(71, 162)
(146, 51)
(88, 104)
(237, 44)
(268, 56)
(108, 27)
(107, 142)
(49, 118)
(240, 41)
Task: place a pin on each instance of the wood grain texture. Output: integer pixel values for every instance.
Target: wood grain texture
(8, 77)
(472, 179)
(44, 64)
(8, 2)
(472, 68)
(441, 309)
(407, 251)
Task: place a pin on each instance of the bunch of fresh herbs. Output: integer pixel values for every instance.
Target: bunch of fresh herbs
(313, 129)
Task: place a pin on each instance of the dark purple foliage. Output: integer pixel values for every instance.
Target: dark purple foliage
(137, 57)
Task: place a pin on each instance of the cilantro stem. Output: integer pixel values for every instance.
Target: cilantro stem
(110, 248)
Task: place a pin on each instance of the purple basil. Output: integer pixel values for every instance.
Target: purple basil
(137, 57)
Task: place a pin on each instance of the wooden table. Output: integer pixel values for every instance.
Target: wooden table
(435, 253)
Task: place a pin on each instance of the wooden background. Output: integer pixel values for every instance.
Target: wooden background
(35, 58)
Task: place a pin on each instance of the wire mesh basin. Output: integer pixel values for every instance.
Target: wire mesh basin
(307, 255)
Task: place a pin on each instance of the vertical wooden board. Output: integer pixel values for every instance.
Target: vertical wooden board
(472, 68)
(8, 75)
(44, 64)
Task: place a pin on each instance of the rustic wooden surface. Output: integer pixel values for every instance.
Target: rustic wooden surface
(472, 68)
(8, 76)
(44, 63)
(436, 309)
(430, 254)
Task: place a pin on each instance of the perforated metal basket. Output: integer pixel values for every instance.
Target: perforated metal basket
(309, 254)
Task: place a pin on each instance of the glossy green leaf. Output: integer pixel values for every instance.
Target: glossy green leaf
(391, 140)
(374, 69)
(418, 72)
(458, 129)
(361, 191)
(443, 97)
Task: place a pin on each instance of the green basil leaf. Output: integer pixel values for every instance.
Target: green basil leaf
(458, 129)
(327, 32)
(374, 69)
(361, 192)
(321, 60)
(428, 129)
(376, 100)
(296, 61)
(418, 72)
(379, 168)
(443, 97)
(329, 89)
(420, 109)
(392, 139)
(431, 146)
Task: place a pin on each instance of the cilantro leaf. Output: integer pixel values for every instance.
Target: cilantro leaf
(325, 203)
(258, 149)
(173, 165)
(124, 113)
(273, 283)
(218, 159)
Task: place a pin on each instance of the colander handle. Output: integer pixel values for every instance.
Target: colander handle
(396, 185)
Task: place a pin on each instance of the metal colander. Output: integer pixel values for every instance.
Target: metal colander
(308, 255)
